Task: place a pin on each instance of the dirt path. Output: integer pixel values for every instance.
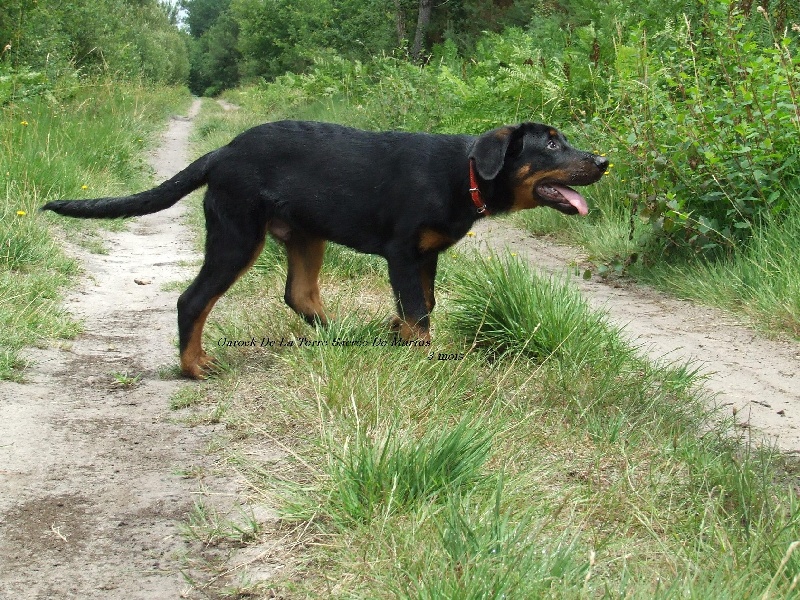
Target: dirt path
(90, 489)
(755, 376)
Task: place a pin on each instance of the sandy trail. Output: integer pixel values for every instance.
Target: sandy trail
(90, 489)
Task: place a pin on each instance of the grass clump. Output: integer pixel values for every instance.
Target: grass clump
(762, 280)
(478, 548)
(501, 303)
(378, 473)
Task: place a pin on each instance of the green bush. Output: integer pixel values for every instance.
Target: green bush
(40, 43)
(710, 125)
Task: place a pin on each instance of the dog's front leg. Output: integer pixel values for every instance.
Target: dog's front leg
(412, 300)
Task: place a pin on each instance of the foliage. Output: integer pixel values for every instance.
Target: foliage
(704, 109)
(51, 40)
(275, 37)
(710, 122)
(202, 14)
(214, 58)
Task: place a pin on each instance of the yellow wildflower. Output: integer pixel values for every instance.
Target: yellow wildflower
(23, 123)
(21, 213)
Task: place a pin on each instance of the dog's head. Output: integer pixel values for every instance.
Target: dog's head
(531, 165)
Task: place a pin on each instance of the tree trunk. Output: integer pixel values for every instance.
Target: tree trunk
(400, 23)
(423, 20)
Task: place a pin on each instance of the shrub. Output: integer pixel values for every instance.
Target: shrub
(710, 124)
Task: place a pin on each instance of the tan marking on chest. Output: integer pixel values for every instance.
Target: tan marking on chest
(432, 240)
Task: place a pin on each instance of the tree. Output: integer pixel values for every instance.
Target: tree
(215, 58)
(202, 14)
(423, 20)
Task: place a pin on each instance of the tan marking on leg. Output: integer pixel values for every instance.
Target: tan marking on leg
(195, 362)
(305, 256)
(413, 331)
(427, 289)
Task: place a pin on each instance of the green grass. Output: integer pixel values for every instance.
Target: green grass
(91, 144)
(761, 280)
(504, 305)
(511, 472)
(378, 473)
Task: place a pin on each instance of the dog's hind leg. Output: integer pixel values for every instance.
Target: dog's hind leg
(305, 253)
(232, 246)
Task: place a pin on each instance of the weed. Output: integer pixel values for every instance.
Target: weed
(205, 525)
(123, 380)
(185, 397)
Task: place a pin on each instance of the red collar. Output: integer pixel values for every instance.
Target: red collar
(475, 192)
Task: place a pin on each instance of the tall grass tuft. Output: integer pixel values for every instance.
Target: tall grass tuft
(503, 304)
(377, 474)
(762, 279)
(480, 549)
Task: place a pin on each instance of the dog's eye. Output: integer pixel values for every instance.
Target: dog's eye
(552, 145)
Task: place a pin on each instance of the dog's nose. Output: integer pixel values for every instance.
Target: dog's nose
(601, 162)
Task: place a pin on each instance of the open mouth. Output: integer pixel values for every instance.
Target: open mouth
(562, 198)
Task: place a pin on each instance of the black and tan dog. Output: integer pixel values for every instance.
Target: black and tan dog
(403, 196)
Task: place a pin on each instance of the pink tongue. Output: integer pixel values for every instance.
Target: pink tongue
(573, 197)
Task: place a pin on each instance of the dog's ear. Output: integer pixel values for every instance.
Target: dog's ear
(491, 148)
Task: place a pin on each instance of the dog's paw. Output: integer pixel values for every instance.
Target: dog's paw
(203, 366)
(394, 323)
(409, 332)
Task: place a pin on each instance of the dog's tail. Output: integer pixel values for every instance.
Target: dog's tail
(143, 203)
